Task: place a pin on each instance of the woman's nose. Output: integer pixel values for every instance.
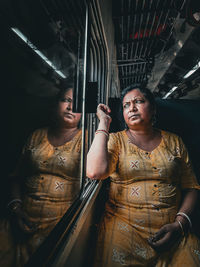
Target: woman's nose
(69, 106)
(133, 107)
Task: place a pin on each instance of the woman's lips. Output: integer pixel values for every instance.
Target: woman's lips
(134, 116)
(69, 114)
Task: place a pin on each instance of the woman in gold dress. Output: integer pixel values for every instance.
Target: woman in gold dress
(153, 190)
(44, 184)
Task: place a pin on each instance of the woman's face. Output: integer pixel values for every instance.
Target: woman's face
(137, 110)
(65, 113)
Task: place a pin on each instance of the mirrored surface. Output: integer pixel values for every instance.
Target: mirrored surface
(41, 45)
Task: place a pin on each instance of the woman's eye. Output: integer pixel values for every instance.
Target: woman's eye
(67, 100)
(139, 101)
(126, 105)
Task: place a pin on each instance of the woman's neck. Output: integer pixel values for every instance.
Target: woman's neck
(145, 134)
(60, 136)
(62, 131)
(146, 140)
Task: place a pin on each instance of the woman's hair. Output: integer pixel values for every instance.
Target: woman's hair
(60, 95)
(147, 94)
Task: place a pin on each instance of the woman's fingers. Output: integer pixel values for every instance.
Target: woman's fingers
(103, 112)
(104, 108)
(162, 242)
(167, 235)
(158, 235)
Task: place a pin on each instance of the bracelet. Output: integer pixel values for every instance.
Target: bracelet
(102, 131)
(185, 216)
(13, 201)
(181, 226)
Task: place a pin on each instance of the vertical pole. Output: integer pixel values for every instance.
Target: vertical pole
(83, 152)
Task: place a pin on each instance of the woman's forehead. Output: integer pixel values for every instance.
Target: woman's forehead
(135, 93)
(69, 93)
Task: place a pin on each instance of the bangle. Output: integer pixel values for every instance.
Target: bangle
(181, 226)
(102, 131)
(13, 201)
(185, 216)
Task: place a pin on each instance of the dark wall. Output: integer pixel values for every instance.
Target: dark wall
(183, 118)
(21, 110)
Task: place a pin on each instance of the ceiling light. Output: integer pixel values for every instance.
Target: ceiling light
(189, 73)
(34, 48)
(170, 92)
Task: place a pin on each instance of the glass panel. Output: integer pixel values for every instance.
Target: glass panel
(42, 43)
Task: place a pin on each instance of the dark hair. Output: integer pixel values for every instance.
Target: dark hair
(61, 93)
(147, 94)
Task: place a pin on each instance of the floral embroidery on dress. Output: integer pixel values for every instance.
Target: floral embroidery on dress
(177, 150)
(160, 171)
(45, 163)
(197, 252)
(146, 156)
(61, 161)
(123, 226)
(59, 186)
(33, 150)
(134, 164)
(139, 221)
(135, 191)
(141, 251)
(170, 158)
(118, 257)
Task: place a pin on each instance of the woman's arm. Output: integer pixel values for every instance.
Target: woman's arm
(188, 206)
(97, 158)
(170, 233)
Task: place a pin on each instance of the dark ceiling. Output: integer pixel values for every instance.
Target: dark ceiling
(158, 42)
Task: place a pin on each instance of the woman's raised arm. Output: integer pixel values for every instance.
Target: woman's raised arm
(97, 158)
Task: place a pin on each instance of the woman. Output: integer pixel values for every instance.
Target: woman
(44, 185)
(147, 221)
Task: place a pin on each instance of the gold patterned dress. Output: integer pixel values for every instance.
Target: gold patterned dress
(51, 181)
(145, 194)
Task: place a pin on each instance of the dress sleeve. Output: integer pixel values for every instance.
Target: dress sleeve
(113, 152)
(188, 178)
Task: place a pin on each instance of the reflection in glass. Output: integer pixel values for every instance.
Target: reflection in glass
(46, 180)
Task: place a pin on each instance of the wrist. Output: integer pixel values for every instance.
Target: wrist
(180, 227)
(104, 124)
(185, 220)
(184, 223)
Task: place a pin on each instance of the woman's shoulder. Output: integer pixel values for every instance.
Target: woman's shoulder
(118, 135)
(38, 134)
(169, 134)
(171, 138)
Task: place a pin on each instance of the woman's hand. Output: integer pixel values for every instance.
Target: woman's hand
(22, 222)
(103, 112)
(165, 237)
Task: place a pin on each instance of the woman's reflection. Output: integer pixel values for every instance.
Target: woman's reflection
(44, 184)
